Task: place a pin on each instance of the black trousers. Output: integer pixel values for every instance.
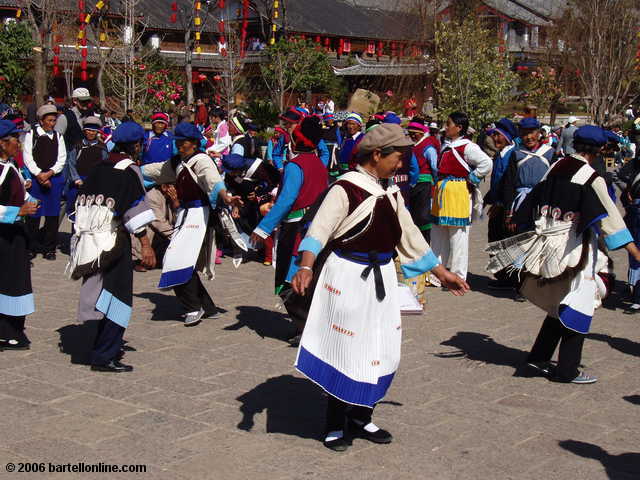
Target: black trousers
(108, 343)
(551, 333)
(193, 296)
(338, 412)
(12, 328)
(45, 239)
(420, 202)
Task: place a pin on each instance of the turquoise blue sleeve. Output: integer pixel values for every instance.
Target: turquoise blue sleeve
(8, 214)
(414, 170)
(323, 152)
(310, 244)
(420, 266)
(214, 195)
(618, 239)
(291, 184)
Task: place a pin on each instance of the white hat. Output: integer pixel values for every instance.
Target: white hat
(81, 94)
(433, 125)
(572, 119)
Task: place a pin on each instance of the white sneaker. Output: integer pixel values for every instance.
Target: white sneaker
(192, 319)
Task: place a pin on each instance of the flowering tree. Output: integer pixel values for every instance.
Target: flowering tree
(542, 88)
(162, 89)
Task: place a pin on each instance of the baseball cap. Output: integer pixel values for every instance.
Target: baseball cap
(81, 94)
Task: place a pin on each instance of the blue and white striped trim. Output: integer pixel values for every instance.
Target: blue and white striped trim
(8, 214)
(176, 277)
(17, 306)
(114, 309)
(420, 266)
(139, 221)
(214, 195)
(338, 384)
(310, 244)
(618, 239)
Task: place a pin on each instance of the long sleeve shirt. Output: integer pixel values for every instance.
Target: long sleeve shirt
(479, 162)
(291, 185)
(27, 152)
(415, 254)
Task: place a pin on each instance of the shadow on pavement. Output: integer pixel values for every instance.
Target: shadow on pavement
(480, 283)
(76, 340)
(482, 348)
(623, 345)
(627, 464)
(618, 299)
(635, 399)
(294, 406)
(166, 306)
(265, 323)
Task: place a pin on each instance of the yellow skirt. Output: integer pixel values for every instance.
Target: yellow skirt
(451, 204)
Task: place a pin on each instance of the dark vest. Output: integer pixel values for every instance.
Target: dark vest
(250, 145)
(315, 179)
(88, 157)
(73, 133)
(45, 150)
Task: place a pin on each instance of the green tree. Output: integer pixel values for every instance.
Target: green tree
(15, 49)
(472, 74)
(295, 66)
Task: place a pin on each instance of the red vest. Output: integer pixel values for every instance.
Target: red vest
(315, 179)
(449, 165)
(418, 150)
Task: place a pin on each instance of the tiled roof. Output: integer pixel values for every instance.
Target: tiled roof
(375, 69)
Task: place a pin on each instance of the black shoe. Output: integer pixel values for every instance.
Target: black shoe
(49, 256)
(113, 366)
(379, 436)
(544, 369)
(295, 340)
(4, 345)
(212, 314)
(337, 445)
(518, 297)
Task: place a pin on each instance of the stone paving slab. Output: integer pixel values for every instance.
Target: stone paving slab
(223, 401)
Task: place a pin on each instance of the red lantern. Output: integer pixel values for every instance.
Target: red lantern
(221, 26)
(56, 60)
(83, 65)
(380, 48)
(83, 76)
(202, 77)
(173, 18)
(174, 7)
(217, 78)
(347, 46)
(83, 52)
(220, 3)
(340, 46)
(371, 48)
(80, 4)
(83, 42)
(56, 70)
(81, 17)
(56, 49)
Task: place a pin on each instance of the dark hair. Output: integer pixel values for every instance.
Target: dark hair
(218, 112)
(129, 148)
(581, 147)
(460, 119)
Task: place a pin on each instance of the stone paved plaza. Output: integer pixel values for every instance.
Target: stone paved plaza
(223, 401)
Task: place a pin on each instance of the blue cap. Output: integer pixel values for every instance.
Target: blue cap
(506, 128)
(128, 132)
(529, 122)
(233, 161)
(392, 118)
(7, 127)
(612, 136)
(187, 131)
(253, 127)
(591, 135)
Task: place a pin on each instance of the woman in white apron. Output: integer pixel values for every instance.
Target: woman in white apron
(351, 343)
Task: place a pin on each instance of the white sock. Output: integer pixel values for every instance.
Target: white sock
(335, 435)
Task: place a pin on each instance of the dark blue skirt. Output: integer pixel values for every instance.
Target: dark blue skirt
(49, 197)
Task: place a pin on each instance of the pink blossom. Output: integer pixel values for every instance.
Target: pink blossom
(151, 91)
(174, 96)
(142, 66)
(160, 95)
